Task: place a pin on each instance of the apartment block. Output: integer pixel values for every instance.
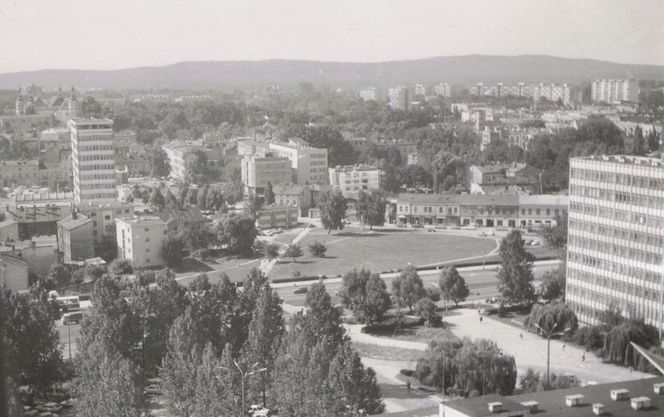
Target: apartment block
(372, 93)
(309, 163)
(140, 241)
(613, 91)
(15, 173)
(399, 98)
(616, 237)
(271, 217)
(75, 239)
(93, 160)
(103, 217)
(351, 180)
(258, 171)
(443, 89)
(178, 150)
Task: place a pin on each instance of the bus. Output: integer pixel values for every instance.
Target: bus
(72, 318)
(69, 303)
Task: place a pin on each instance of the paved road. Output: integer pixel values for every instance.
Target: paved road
(482, 281)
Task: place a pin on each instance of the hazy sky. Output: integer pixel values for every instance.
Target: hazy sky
(106, 34)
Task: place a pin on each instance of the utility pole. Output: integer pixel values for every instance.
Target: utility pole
(69, 339)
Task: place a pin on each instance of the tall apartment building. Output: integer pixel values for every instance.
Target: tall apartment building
(353, 179)
(420, 90)
(399, 98)
(93, 160)
(257, 171)
(616, 237)
(551, 92)
(309, 163)
(443, 89)
(614, 91)
(140, 240)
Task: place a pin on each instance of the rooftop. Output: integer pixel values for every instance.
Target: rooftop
(70, 223)
(142, 221)
(552, 403)
(288, 189)
(625, 159)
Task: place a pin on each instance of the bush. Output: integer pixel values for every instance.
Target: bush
(591, 337)
(317, 249)
(427, 310)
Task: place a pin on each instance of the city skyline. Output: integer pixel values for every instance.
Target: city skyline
(344, 32)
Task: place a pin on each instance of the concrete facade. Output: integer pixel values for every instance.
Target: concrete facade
(93, 160)
(140, 241)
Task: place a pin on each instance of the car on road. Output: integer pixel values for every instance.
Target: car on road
(301, 290)
(72, 318)
(418, 226)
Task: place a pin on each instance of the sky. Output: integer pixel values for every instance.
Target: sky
(110, 34)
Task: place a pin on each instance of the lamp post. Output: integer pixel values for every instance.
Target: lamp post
(548, 333)
(243, 377)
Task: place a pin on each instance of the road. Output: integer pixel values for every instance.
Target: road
(481, 282)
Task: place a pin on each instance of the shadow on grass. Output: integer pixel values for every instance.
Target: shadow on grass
(400, 391)
(192, 265)
(291, 262)
(359, 234)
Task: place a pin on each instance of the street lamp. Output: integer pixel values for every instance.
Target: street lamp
(243, 375)
(548, 333)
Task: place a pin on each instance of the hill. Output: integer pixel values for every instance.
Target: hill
(468, 69)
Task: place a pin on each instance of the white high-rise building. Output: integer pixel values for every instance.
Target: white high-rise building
(309, 163)
(443, 90)
(399, 99)
(615, 91)
(351, 180)
(616, 237)
(93, 160)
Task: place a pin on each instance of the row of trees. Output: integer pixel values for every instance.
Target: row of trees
(216, 350)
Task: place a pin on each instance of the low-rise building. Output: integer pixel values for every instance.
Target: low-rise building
(492, 179)
(38, 221)
(103, 217)
(178, 220)
(271, 217)
(351, 180)
(178, 150)
(295, 195)
(140, 240)
(43, 199)
(309, 163)
(15, 173)
(75, 240)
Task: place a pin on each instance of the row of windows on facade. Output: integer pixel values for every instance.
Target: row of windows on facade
(507, 212)
(633, 255)
(97, 186)
(93, 138)
(620, 179)
(601, 298)
(87, 177)
(652, 220)
(96, 157)
(98, 196)
(615, 232)
(635, 199)
(97, 167)
(614, 248)
(584, 310)
(95, 148)
(364, 181)
(612, 283)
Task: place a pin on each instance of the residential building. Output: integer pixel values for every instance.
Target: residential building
(295, 195)
(140, 241)
(351, 180)
(443, 90)
(251, 147)
(26, 122)
(93, 160)
(541, 209)
(372, 93)
(614, 91)
(616, 237)
(399, 98)
(75, 240)
(38, 221)
(178, 150)
(13, 273)
(15, 173)
(420, 90)
(40, 198)
(309, 163)
(178, 220)
(258, 171)
(428, 209)
(643, 396)
(500, 178)
(270, 217)
(103, 217)
(552, 92)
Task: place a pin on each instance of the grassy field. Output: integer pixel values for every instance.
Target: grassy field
(389, 353)
(378, 251)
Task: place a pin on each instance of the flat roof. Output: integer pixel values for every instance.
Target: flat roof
(624, 159)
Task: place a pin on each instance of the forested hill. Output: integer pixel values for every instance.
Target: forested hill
(468, 69)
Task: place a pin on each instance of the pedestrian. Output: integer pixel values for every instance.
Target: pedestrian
(564, 346)
(521, 335)
(408, 385)
(583, 357)
(481, 319)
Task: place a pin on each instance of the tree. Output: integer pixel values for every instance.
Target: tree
(197, 236)
(556, 236)
(371, 208)
(639, 144)
(58, 275)
(107, 248)
(438, 362)
(427, 311)
(532, 382)
(452, 285)
(554, 317)
(160, 164)
(120, 267)
(252, 206)
(32, 344)
(238, 233)
(553, 284)
(366, 295)
(201, 197)
(317, 249)
(618, 343)
(271, 250)
(515, 275)
(269, 194)
(332, 207)
(172, 251)
(653, 141)
(483, 368)
(196, 170)
(408, 288)
(293, 251)
(171, 200)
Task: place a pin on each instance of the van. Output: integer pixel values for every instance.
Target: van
(70, 303)
(72, 318)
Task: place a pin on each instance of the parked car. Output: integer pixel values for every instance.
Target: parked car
(302, 290)
(72, 318)
(418, 226)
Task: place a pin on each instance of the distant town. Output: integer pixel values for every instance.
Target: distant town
(434, 249)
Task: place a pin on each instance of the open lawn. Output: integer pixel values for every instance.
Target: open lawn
(420, 333)
(378, 251)
(389, 353)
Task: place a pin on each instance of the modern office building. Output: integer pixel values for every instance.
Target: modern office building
(616, 237)
(351, 180)
(140, 241)
(399, 98)
(258, 171)
(309, 163)
(93, 160)
(178, 150)
(614, 91)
